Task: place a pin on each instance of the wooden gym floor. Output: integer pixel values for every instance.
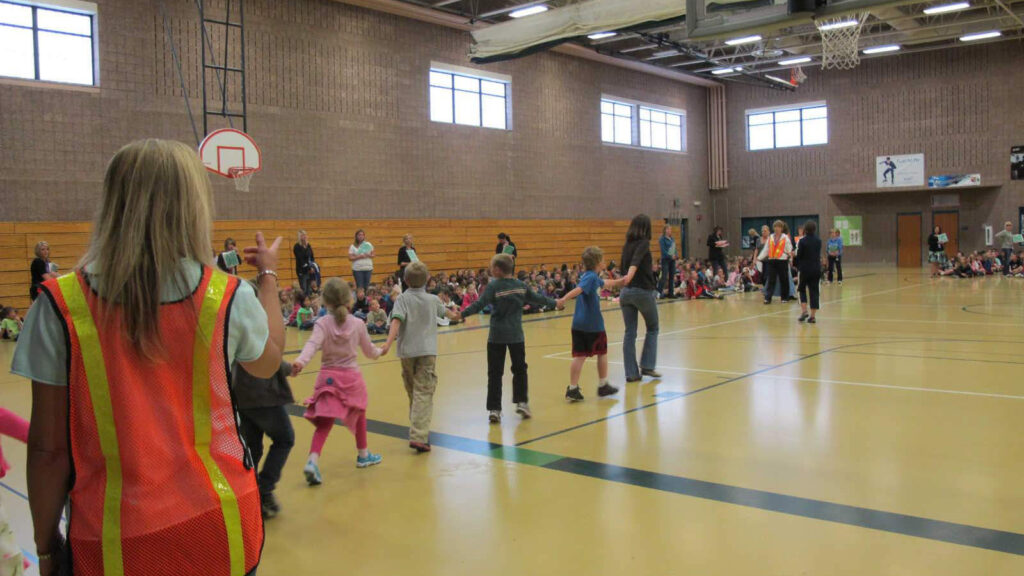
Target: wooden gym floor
(887, 439)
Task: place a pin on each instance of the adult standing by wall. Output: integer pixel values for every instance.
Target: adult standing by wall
(229, 246)
(1005, 240)
(361, 253)
(936, 253)
(637, 298)
(304, 261)
(506, 246)
(667, 245)
(755, 242)
(716, 249)
(808, 263)
(128, 356)
(41, 269)
(834, 248)
(406, 255)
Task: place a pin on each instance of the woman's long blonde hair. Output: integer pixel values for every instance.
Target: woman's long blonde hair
(156, 210)
(337, 297)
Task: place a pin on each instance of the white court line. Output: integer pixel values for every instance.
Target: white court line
(558, 355)
(905, 320)
(840, 382)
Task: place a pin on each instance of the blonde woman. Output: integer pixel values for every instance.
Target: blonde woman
(129, 356)
(41, 269)
(406, 256)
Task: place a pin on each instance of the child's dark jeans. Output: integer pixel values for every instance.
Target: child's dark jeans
(496, 369)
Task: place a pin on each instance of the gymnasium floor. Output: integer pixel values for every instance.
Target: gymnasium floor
(887, 439)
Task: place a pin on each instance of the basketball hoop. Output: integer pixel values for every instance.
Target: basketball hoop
(241, 176)
(839, 37)
(797, 76)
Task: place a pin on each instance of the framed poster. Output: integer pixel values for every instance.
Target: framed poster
(954, 180)
(1017, 163)
(849, 229)
(899, 170)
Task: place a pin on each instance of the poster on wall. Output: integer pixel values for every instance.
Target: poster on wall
(954, 180)
(899, 170)
(1017, 163)
(849, 229)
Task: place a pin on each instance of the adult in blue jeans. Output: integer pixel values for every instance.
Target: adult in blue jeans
(638, 299)
(667, 244)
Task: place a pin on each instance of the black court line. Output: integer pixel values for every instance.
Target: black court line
(976, 360)
(903, 524)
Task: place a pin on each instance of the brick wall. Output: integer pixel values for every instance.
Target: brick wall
(962, 108)
(338, 102)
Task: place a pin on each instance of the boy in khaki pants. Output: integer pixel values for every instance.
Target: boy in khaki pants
(414, 325)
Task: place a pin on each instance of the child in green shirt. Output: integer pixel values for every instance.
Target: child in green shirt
(10, 324)
(304, 318)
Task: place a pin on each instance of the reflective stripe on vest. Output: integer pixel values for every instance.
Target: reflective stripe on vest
(201, 418)
(776, 248)
(103, 411)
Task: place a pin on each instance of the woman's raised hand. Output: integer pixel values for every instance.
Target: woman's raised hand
(261, 256)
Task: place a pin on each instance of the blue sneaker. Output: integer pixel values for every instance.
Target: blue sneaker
(370, 460)
(312, 472)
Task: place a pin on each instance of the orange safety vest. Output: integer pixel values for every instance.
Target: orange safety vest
(776, 248)
(163, 484)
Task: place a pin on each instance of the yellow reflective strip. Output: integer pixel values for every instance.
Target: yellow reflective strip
(202, 415)
(103, 411)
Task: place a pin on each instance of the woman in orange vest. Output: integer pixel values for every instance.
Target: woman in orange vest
(132, 413)
(775, 255)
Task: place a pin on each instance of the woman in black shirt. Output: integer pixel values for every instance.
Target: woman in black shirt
(506, 246)
(716, 252)
(637, 298)
(406, 256)
(936, 250)
(303, 252)
(40, 269)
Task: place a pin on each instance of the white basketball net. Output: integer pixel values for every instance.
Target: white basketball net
(241, 177)
(839, 37)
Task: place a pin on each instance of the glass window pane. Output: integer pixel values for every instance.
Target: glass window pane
(494, 112)
(787, 116)
(623, 110)
(441, 105)
(16, 46)
(467, 107)
(815, 131)
(645, 113)
(658, 116)
(673, 137)
(64, 22)
(440, 79)
(818, 112)
(494, 88)
(607, 128)
(755, 119)
(674, 119)
(623, 130)
(761, 137)
(15, 14)
(645, 133)
(658, 135)
(464, 83)
(607, 107)
(64, 58)
(787, 134)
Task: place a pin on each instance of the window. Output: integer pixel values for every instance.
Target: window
(41, 43)
(457, 98)
(805, 125)
(634, 124)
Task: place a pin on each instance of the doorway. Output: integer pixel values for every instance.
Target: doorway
(950, 224)
(908, 240)
(681, 247)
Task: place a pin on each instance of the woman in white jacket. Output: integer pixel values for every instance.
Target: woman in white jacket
(775, 255)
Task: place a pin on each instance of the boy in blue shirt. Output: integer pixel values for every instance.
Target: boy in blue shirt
(588, 335)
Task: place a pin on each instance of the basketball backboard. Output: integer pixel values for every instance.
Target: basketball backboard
(229, 152)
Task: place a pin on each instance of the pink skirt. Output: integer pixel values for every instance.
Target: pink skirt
(339, 393)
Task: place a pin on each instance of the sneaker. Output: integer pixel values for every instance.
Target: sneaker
(573, 394)
(312, 472)
(652, 373)
(767, 302)
(634, 379)
(840, 282)
(523, 409)
(268, 506)
(606, 389)
(494, 416)
(420, 447)
(370, 460)
(803, 317)
(811, 320)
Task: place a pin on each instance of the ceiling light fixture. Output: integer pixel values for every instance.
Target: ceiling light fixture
(947, 8)
(743, 40)
(793, 61)
(981, 36)
(721, 71)
(840, 24)
(600, 35)
(882, 49)
(528, 11)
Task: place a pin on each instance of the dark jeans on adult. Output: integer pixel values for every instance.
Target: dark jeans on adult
(273, 422)
(496, 370)
(835, 262)
(304, 279)
(668, 276)
(719, 263)
(776, 271)
(809, 284)
(363, 278)
(638, 302)
(1006, 252)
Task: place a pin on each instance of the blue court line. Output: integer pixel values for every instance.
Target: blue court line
(15, 492)
(31, 557)
(903, 524)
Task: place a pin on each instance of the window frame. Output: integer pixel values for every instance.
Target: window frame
(801, 121)
(635, 123)
(73, 7)
(479, 76)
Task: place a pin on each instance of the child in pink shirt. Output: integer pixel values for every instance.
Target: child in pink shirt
(11, 560)
(340, 391)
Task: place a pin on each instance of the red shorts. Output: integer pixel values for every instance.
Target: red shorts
(587, 344)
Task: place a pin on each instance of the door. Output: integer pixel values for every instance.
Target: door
(908, 240)
(950, 224)
(681, 248)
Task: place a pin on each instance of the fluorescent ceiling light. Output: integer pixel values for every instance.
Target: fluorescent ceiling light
(528, 11)
(779, 80)
(792, 61)
(840, 24)
(882, 49)
(665, 53)
(981, 36)
(743, 40)
(601, 35)
(721, 71)
(947, 8)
